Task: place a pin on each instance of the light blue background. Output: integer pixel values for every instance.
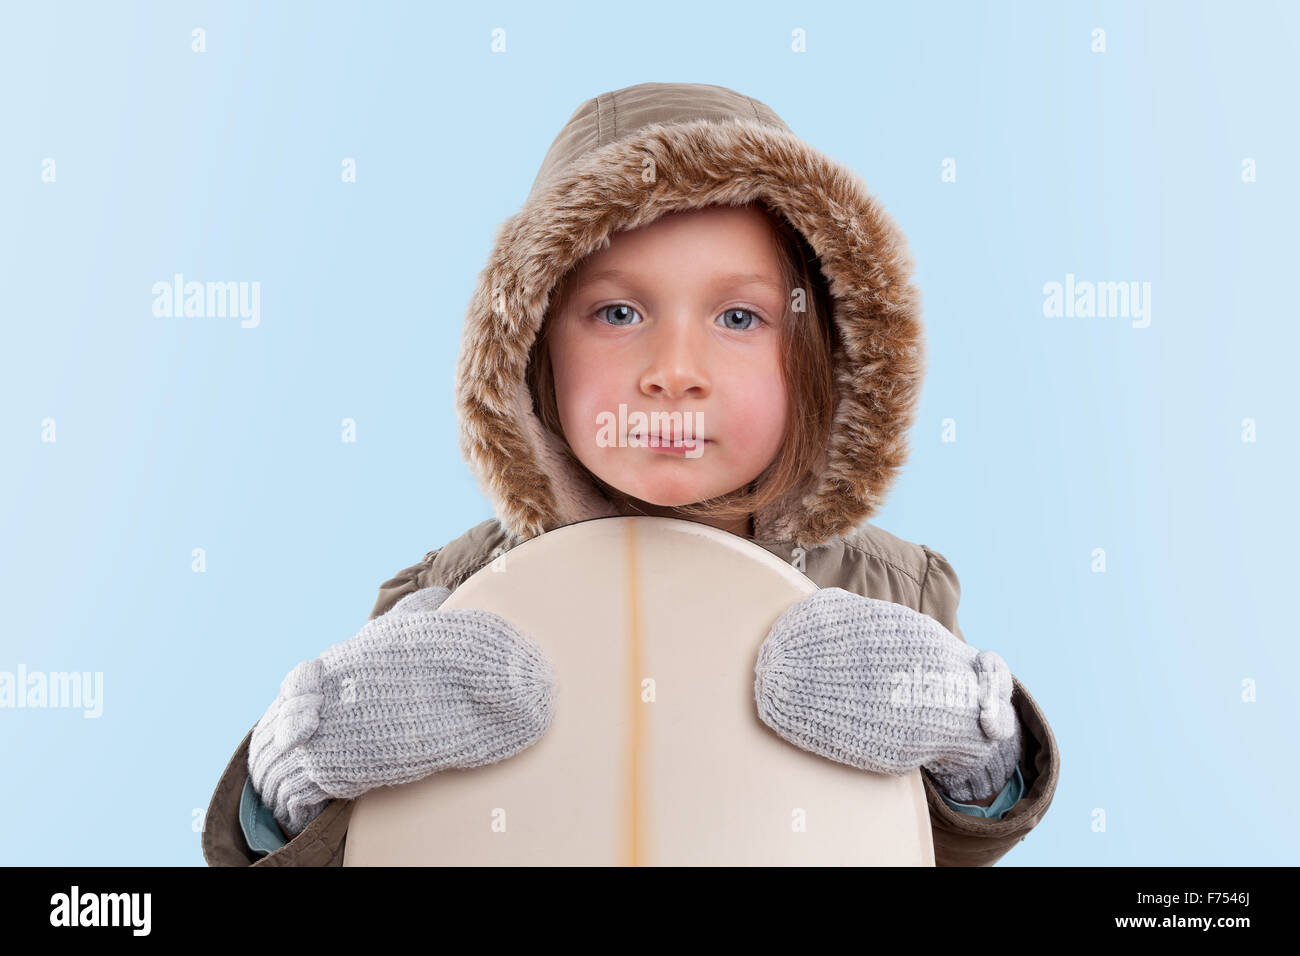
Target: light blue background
(1073, 434)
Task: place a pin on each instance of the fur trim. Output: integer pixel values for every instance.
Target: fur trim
(575, 208)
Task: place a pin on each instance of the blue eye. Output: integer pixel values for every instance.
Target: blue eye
(730, 313)
(626, 308)
(626, 312)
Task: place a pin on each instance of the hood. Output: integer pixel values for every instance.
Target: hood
(711, 145)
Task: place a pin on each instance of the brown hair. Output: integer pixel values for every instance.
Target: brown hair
(809, 343)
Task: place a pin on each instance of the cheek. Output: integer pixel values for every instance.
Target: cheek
(760, 409)
(584, 387)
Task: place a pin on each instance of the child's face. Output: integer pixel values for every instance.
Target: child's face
(668, 335)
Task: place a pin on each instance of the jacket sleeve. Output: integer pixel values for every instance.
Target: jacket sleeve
(322, 842)
(961, 839)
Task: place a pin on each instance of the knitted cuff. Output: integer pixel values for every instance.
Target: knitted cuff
(277, 766)
(996, 752)
(991, 776)
(292, 796)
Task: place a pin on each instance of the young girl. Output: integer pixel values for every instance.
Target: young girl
(681, 252)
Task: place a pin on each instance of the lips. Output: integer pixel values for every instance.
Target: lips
(693, 440)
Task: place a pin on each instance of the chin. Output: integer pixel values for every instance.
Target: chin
(662, 497)
(664, 494)
(663, 500)
(677, 501)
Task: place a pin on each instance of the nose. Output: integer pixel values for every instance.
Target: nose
(675, 363)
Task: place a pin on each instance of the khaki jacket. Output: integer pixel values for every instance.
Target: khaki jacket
(624, 159)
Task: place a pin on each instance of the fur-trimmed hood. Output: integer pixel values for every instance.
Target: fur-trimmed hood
(710, 145)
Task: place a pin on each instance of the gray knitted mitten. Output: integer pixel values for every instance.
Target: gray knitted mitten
(416, 691)
(884, 688)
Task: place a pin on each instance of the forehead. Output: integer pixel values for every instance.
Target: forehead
(713, 278)
(717, 244)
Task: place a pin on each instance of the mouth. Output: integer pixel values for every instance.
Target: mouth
(654, 440)
(682, 448)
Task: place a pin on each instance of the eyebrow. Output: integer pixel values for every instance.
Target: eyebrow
(733, 278)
